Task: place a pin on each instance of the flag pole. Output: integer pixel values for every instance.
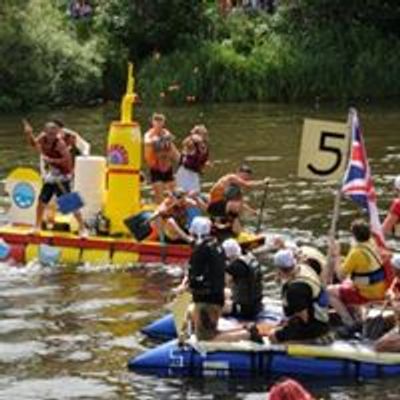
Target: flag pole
(336, 211)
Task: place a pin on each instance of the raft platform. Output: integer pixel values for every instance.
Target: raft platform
(26, 246)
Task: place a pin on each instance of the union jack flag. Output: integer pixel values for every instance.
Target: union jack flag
(357, 182)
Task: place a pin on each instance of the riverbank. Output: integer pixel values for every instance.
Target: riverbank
(301, 52)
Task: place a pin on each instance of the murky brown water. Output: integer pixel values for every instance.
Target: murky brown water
(67, 334)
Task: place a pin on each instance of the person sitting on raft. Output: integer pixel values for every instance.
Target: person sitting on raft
(194, 158)
(160, 153)
(226, 198)
(58, 169)
(391, 340)
(305, 302)
(391, 224)
(244, 274)
(362, 275)
(206, 282)
(174, 214)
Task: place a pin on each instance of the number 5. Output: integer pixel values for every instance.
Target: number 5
(328, 149)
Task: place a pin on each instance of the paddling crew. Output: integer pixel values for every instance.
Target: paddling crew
(362, 276)
(174, 213)
(391, 340)
(391, 224)
(160, 153)
(58, 169)
(226, 198)
(247, 287)
(305, 302)
(206, 281)
(194, 158)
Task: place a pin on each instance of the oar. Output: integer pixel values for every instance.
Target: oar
(179, 310)
(262, 206)
(374, 328)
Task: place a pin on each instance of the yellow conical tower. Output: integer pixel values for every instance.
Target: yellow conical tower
(124, 156)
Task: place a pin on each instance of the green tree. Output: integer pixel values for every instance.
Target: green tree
(42, 61)
(147, 26)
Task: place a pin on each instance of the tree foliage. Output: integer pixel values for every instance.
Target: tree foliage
(42, 61)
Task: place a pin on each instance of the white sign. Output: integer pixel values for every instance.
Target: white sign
(324, 150)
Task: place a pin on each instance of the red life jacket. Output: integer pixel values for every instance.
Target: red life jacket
(197, 160)
(65, 168)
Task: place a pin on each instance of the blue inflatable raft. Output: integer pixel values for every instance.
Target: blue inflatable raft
(350, 360)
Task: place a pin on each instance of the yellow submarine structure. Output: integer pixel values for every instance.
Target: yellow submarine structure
(111, 187)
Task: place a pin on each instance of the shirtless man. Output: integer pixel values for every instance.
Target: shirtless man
(160, 153)
(226, 197)
(58, 169)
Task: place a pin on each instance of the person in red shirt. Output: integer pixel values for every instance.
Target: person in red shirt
(289, 389)
(391, 340)
(391, 224)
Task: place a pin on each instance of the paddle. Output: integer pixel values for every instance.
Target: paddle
(179, 310)
(262, 206)
(68, 202)
(375, 327)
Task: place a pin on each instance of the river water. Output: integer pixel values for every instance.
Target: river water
(67, 333)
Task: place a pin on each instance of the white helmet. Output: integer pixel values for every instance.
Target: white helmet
(200, 227)
(232, 248)
(397, 182)
(284, 259)
(395, 261)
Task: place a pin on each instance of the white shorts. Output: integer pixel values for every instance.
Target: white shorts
(187, 180)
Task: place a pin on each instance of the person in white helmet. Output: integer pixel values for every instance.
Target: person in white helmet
(244, 274)
(305, 301)
(206, 282)
(391, 224)
(391, 340)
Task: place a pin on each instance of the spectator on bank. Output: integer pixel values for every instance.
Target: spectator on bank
(80, 9)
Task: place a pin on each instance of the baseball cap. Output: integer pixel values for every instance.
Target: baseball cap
(395, 261)
(284, 259)
(232, 248)
(200, 227)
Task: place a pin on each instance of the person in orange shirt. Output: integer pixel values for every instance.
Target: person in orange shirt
(160, 153)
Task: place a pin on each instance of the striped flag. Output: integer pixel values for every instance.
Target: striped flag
(357, 182)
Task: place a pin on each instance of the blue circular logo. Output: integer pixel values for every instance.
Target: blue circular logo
(23, 195)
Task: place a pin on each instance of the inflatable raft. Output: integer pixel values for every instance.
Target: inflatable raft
(348, 360)
(107, 187)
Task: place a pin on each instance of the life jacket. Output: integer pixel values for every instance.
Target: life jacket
(249, 290)
(376, 273)
(52, 152)
(157, 150)
(207, 269)
(197, 160)
(307, 275)
(220, 192)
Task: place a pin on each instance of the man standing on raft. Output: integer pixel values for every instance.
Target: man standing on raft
(58, 171)
(160, 152)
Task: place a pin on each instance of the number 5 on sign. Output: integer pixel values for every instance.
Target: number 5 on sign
(324, 148)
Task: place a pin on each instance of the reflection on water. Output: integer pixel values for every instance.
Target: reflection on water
(67, 334)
